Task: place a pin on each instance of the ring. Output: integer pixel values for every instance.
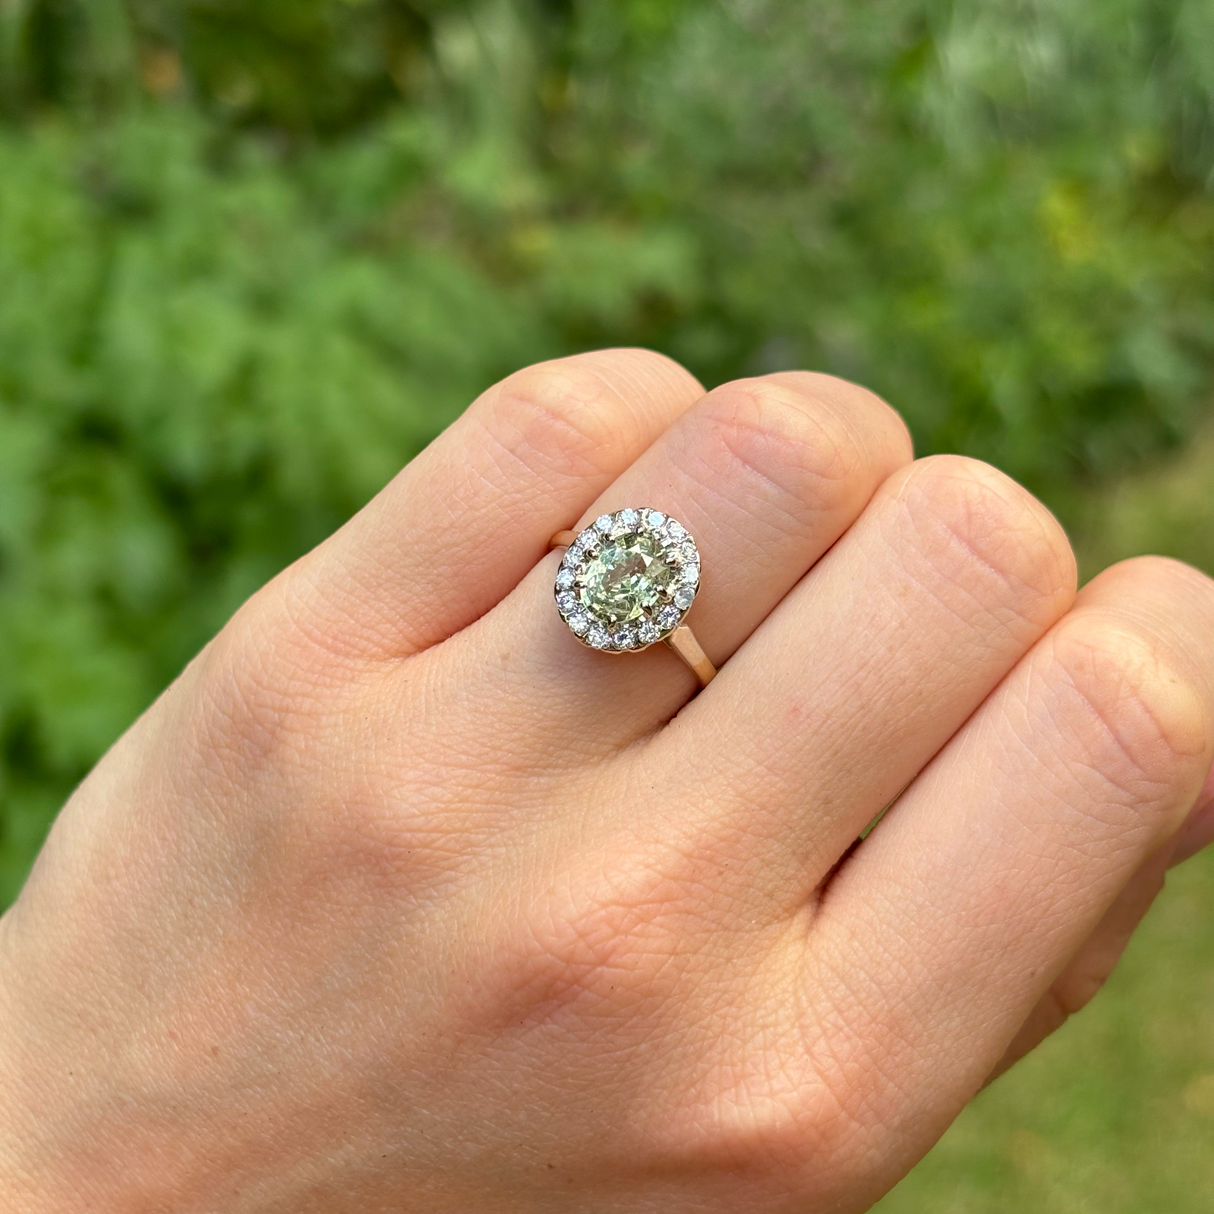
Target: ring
(627, 581)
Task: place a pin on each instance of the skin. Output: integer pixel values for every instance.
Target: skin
(401, 900)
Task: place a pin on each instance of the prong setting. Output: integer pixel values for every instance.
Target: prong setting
(627, 580)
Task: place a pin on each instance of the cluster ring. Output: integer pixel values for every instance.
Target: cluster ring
(627, 581)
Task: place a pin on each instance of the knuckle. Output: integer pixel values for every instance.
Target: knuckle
(647, 373)
(1166, 567)
(1149, 723)
(976, 525)
(577, 412)
(799, 449)
(1160, 585)
(877, 422)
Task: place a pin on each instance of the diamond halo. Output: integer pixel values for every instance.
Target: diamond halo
(627, 580)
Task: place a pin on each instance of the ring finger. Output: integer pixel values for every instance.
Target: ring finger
(766, 474)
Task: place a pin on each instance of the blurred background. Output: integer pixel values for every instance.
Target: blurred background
(255, 253)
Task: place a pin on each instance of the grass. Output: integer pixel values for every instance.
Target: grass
(1115, 1113)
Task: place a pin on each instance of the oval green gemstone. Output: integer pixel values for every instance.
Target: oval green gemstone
(629, 574)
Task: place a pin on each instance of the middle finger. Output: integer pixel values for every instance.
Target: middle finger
(867, 669)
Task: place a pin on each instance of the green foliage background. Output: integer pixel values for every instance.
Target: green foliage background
(255, 253)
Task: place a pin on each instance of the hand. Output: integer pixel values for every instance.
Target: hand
(401, 900)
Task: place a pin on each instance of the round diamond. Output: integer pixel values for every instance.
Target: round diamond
(683, 596)
(647, 632)
(676, 531)
(579, 621)
(628, 574)
(668, 617)
(564, 578)
(603, 524)
(625, 638)
(690, 574)
(566, 600)
(599, 637)
(654, 520)
(629, 519)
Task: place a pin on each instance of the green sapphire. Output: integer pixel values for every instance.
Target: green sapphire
(629, 574)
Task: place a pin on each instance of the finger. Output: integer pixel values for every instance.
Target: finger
(959, 911)
(870, 665)
(458, 528)
(1090, 968)
(766, 474)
